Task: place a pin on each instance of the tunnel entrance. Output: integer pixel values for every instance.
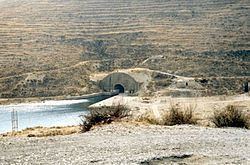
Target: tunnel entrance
(121, 82)
(119, 87)
(246, 87)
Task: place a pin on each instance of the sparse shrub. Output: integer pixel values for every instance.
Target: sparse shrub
(177, 116)
(103, 115)
(173, 117)
(231, 116)
(148, 117)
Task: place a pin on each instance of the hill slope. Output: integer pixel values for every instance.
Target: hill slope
(193, 38)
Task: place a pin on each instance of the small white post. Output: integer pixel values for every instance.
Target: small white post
(14, 120)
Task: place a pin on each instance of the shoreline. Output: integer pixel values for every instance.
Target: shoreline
(40, 131)
(203, 107)
(6, 101)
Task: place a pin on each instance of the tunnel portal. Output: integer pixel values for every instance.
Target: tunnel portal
(119, 81)
(119, 88)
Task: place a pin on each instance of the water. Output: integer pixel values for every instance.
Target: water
(46, 114)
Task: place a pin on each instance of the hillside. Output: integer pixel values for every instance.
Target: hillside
(50, 47)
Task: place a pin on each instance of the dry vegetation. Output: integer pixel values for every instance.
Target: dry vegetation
(231, 116)
(103, 115)
(43, 43)
(175, 115)
(178, 116)
(44, 132)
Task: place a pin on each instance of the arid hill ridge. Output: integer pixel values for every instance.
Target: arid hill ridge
(50, 47)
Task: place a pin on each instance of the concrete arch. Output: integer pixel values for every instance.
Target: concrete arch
(113, 80)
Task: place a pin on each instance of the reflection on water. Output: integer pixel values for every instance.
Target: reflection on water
(47, 114)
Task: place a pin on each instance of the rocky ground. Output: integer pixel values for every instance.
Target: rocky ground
(132, 143)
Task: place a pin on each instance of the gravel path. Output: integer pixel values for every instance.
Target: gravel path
(126, 143)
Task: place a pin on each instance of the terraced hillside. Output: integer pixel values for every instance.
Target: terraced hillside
(50, 47)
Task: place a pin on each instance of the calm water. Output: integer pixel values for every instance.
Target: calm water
(47, 114)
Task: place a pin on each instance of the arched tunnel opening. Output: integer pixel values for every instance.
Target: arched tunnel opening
(246, 87)
(120, 88)
(120, 82)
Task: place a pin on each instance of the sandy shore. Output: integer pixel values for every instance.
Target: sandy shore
(203, 107)
(130, 143)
